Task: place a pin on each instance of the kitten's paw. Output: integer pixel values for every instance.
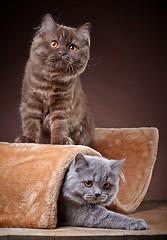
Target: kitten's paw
(24, 139)
(63, 141)
(68, 141)
(138, 224)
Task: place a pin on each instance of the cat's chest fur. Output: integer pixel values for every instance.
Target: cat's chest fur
(56, 95)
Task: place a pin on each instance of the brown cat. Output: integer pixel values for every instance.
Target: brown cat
(54, 108)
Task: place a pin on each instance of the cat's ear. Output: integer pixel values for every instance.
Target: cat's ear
(116, 163)
(80, 162)
(84, 32)
(48, 24)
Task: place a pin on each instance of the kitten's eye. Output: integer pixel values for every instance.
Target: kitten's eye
(72, 48)
(54, 44)
(88, 183)
(106, 185)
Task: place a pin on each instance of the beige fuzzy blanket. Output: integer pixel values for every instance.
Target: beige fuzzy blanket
(31, 174)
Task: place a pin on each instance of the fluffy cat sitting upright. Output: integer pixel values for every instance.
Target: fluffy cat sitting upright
(91, 184)
(54, 108)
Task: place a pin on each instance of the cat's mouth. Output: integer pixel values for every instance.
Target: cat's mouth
(93, 199)
(70, 65)
(67, 65)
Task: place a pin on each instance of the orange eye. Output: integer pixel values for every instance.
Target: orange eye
(106, 185)
(54, 44)
(88, 183)
(72, 48)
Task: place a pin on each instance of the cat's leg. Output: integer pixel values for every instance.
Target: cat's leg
(60, 133)
(31, 132)
(31, 124)
(99, 217)
(120, 221)
(83, 133)
(85, 136)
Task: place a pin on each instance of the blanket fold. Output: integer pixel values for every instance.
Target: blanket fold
(31, 174)
(139, 147)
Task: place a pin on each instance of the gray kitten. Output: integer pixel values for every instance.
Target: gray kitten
(91, 184)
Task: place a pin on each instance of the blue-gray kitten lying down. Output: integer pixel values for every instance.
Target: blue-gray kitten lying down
(90, 184)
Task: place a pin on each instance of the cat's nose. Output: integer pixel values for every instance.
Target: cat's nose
(62, 53)
(97, 194)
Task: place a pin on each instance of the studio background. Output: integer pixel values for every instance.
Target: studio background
(125, 80)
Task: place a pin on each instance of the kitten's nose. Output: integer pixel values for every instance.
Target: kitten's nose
(97, 194)
(62, 53)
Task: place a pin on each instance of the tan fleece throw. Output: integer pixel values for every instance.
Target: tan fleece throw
(31, 174)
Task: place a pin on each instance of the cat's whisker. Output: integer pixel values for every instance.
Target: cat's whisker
(74, 68)
(67, 67)
(76, 63)
(94, 64)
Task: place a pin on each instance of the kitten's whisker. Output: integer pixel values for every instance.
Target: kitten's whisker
(74, 67)
(70, 69)
(94, 64)
(66, 69)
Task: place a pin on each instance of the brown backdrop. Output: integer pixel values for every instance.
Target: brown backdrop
(126, 76)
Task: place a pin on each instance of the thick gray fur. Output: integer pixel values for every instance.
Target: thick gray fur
(83, 206)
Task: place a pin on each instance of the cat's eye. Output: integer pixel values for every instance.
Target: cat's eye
(54, 44)
(72, 48)
(106, 185)
(88, 183)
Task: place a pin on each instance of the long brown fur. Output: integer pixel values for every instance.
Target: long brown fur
(54, 108)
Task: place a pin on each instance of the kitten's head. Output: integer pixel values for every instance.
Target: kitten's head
(61, 49)
(92, 180)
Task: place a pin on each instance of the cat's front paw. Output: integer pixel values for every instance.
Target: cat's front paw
(68, 141)
(63, 141)
(24, 139)
(138, 224)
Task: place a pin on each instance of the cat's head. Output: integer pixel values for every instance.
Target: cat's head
(93, 180)
(61, 49)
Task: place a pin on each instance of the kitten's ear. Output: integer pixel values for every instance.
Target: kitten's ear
(48, 24)
(84, 32)
(116, 163)
(80, 162)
